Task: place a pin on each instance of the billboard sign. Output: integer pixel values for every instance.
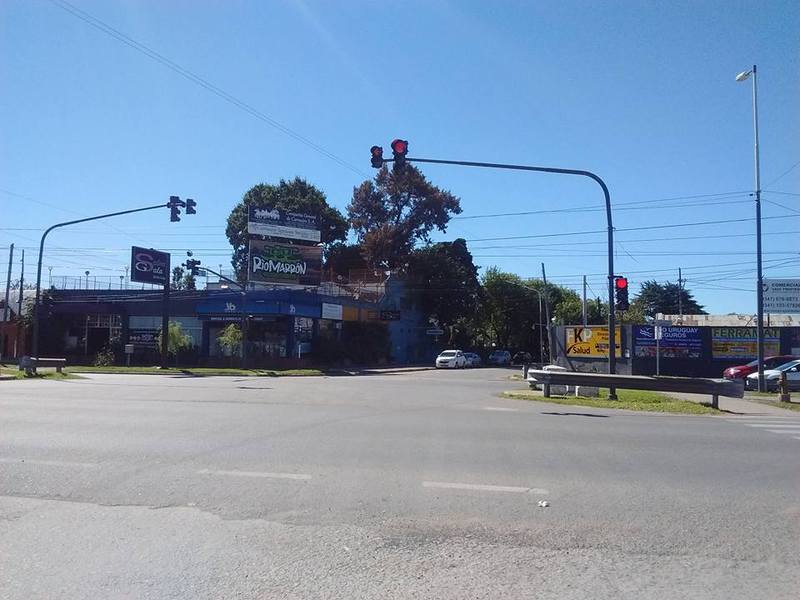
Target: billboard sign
(283, 224)
(143, 338)
(149, 266)
(782, 296)
(332, 311)
(675, 342)
(741, 342)
(591, 341)
(271, 262)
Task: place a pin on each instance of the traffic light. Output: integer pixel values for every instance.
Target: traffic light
(193, 266)
(190, 204)
(377, 156)
(175, 205)
(399, 149)
(621, 287)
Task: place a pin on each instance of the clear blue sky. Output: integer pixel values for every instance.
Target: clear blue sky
(642, 93)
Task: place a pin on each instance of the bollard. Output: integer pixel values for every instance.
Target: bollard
(525, 367)
(783, 386)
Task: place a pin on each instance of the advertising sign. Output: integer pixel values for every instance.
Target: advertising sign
(271, 262)
(590, 341)
(782, 296)
(741, 342)
(332, 311)
(283, 224)
(675, 342)
(149, 266)
(143, 338)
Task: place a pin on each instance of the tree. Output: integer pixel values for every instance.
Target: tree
(230, 339)
(444, 280)
(177, 339)
(509, 311)
(181, 280)
(341, 258)
(655, 297)
(396, 211)
(296, 195)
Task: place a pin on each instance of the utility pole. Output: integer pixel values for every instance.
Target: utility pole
(547, 315)
(680, 297)
(8, 293)
(583, 306)
(21, 285)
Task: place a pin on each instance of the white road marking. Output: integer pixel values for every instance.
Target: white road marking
(779, 431)
(500, 409)
(483, 488)
(262, 474)
(778, 425)
(47, 463)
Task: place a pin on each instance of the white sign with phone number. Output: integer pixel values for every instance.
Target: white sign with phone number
(782, 296)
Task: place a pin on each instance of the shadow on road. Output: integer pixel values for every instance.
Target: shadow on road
(575, 414)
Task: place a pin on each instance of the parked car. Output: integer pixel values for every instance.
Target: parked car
(499, 357)
(451, 359)
(772, 377)
(770, 362)
(473, 360)
(521, 358)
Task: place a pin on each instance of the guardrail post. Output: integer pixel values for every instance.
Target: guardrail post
(784, 388)
(546, 388)
(715, 401)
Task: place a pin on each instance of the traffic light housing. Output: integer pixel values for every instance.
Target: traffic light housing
(377, 156)
(193, 266)
(399, 150)
(175, 205)
(621, 289)
(190, 206)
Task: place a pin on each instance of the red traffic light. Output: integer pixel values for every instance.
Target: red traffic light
(377, 156)
(400, 146)
(621, 283)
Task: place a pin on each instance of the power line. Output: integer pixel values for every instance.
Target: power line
(196, 79)
(784, 174)
(645, 228)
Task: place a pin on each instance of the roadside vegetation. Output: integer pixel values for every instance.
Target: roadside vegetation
(198, 371)
(628, 399)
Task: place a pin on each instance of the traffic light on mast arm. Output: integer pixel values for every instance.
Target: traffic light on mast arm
(621, 288)
(399, 149)
(377, 156)
(193, 266)
(190, 206)
(175, 204)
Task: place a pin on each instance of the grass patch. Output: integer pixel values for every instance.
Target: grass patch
(197, 371)
(17, 374)
(628, 399)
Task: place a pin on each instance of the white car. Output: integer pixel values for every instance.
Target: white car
(451, 359)
(772, 377)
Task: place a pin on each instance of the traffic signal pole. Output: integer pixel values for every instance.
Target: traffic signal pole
(36, 303)
(612, 326)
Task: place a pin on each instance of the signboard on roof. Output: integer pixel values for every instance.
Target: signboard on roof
(270, 221)
(271, 262)
(782, 296)
(149, 266)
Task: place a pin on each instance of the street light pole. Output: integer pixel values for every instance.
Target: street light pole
(759, 271)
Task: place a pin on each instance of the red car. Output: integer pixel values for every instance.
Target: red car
(770, 362)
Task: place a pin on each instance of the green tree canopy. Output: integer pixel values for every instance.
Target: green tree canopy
(654, 297)
(396, 211)
(296, 195)
(444, 280)
(341, 258)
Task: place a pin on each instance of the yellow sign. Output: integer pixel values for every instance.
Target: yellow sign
(590, 341)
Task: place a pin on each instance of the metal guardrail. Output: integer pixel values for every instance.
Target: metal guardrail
(690, 385)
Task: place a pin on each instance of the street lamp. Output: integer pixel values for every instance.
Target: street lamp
(744, 76)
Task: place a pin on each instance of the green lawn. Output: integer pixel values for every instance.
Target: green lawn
(198, 371)
(628, 399)
(14, 372)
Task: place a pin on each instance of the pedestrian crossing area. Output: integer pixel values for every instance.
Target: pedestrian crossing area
(788, 426)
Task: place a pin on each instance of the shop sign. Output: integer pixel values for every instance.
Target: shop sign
(591, 341)
(149, 266)
(782, 296)
(675, 342)
(271, 262)
(273, 222)
(332, 311)
(742, 342)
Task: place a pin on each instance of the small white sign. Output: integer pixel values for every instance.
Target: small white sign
(659, 332)
(332, 311)
(782, 296)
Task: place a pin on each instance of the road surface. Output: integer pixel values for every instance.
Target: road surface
(418, 485)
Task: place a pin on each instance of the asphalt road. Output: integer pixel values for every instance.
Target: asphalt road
(421, 485)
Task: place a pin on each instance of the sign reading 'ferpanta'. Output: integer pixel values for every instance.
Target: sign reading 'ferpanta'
(282, 224)
(271, 262)
(149, 266)
(782, 296)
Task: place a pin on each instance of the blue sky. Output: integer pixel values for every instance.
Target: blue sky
(642, 93)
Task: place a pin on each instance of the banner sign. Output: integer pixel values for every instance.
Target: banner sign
(279, 223)
(143, 338)
(782, 296)
(149, 266)
(591, 341)
(675, 342)
(271, 262)
(332, 311)
(741, 342)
